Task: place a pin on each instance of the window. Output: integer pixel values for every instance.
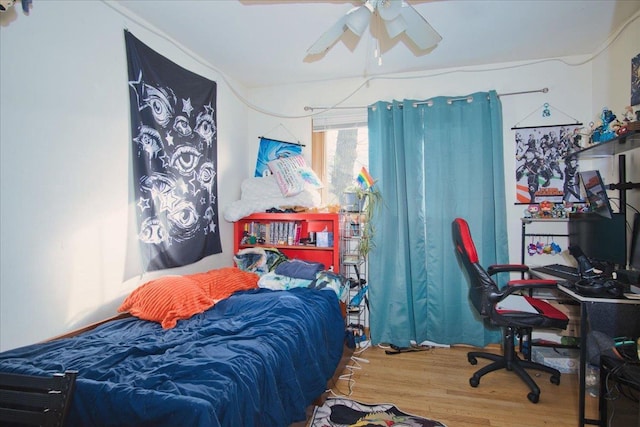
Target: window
(340, 149)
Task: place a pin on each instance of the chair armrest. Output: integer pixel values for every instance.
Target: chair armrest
(507, 268)
(522, 284)
(519, 284)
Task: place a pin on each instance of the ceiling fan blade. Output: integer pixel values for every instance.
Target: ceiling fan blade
(418, 29)
(329, 37)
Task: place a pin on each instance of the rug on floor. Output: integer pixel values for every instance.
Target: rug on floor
(340, 412)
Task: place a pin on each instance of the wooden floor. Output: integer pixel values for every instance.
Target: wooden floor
(435, 384)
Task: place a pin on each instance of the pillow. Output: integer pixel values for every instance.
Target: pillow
(221, 283)
(167, 300)
(299, 269)
(292, 174)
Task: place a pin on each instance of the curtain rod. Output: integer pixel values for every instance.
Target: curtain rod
(464, 98)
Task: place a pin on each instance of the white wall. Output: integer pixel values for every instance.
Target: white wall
(65, 166)
(575, 93)
(612, 89)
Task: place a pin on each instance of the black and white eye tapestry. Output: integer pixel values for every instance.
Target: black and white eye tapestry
(174, 151)
(545, 168)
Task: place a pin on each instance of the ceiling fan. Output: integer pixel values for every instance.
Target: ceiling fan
(398, 17)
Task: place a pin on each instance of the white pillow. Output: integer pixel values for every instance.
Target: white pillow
(292, 174)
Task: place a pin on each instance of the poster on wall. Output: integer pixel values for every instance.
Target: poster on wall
(174, 152)
(271, 149)
(635, 80)
(545, 168)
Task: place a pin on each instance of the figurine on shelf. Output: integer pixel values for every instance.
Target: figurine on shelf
(606, 130)
(569, 208)
(533, 211)
(628, 115)
(621, 130)
(546, 209)
(558, 210)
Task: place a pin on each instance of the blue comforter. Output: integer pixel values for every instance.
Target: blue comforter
(258, 358)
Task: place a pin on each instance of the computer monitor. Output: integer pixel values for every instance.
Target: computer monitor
(596, 193)
(602, 240)
(634, 253)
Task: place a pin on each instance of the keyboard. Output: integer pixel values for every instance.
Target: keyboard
(558, 270)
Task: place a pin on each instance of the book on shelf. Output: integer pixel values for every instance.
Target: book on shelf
(275, 232)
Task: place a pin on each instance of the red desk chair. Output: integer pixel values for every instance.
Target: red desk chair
(489, 301)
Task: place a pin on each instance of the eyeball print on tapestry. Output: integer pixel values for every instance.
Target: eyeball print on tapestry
(174, 147)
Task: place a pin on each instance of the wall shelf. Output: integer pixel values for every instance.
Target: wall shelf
(616, 147)
(304, 223)
(626, 142)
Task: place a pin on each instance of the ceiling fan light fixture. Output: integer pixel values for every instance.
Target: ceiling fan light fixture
(358, 19)
(389, 9)
(396, 26)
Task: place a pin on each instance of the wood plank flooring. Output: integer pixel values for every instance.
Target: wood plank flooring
(435, 384)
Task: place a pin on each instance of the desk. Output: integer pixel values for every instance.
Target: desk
(622, 319)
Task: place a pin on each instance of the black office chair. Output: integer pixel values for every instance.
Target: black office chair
(28, 400)
(490, 303)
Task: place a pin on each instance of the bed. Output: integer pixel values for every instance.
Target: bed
(257, 357)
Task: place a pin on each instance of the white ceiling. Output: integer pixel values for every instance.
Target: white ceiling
(264, 42)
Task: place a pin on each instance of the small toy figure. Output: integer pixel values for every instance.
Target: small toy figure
(558, 211)
(621, 130)
(546, 208)
(533, 211)
(628, 114)
(568, 208)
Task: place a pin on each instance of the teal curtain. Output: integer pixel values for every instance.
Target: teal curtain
(433, 161)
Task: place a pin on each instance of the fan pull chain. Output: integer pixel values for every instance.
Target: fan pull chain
(378, 52)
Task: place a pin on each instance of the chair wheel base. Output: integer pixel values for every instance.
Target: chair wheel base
(533, 397)
(555, 379)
